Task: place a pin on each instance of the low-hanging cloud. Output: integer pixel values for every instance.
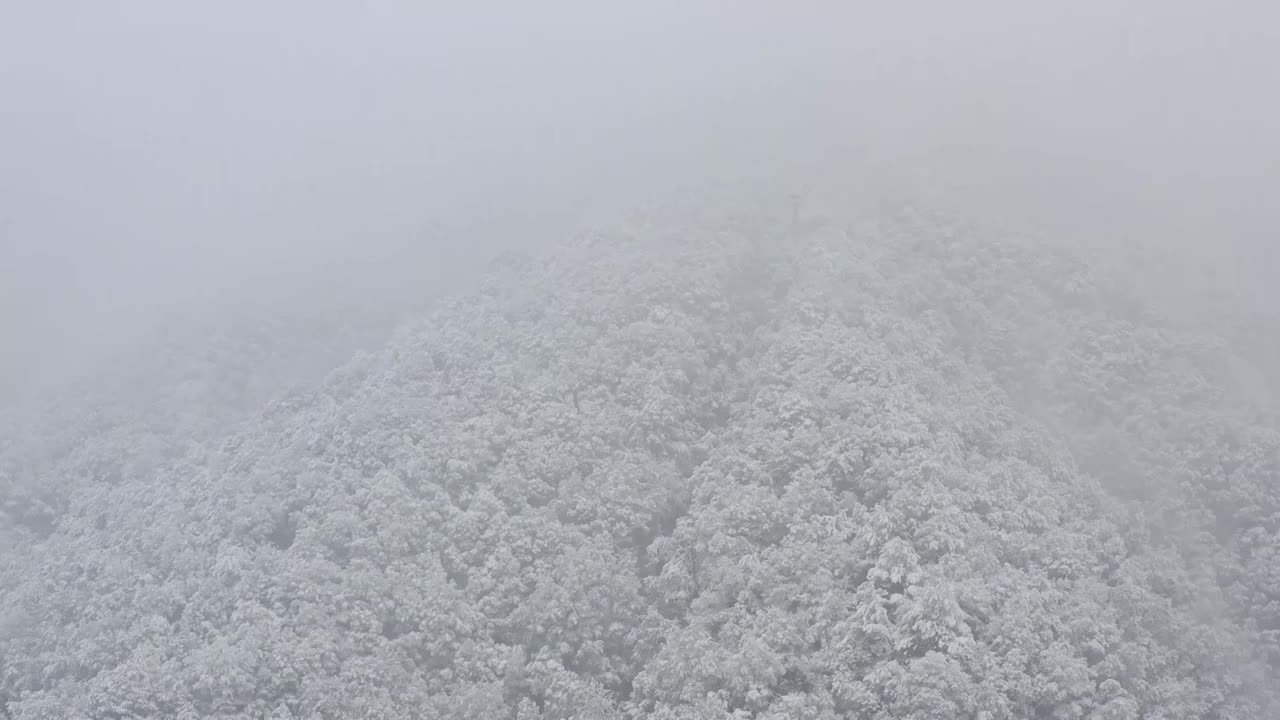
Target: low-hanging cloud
(158, 154)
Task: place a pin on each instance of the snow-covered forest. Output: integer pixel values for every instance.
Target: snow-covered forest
(617, 361)
(695, 467)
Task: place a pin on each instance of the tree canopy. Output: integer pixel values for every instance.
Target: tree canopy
(691, 469)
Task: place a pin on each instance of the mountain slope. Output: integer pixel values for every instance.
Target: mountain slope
(701, 470)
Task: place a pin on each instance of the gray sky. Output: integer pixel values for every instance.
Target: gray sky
(155, 154)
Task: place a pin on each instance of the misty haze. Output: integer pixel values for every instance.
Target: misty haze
(667, 360)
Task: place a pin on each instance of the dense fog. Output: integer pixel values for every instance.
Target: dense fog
(669, 359)
(154, 154)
